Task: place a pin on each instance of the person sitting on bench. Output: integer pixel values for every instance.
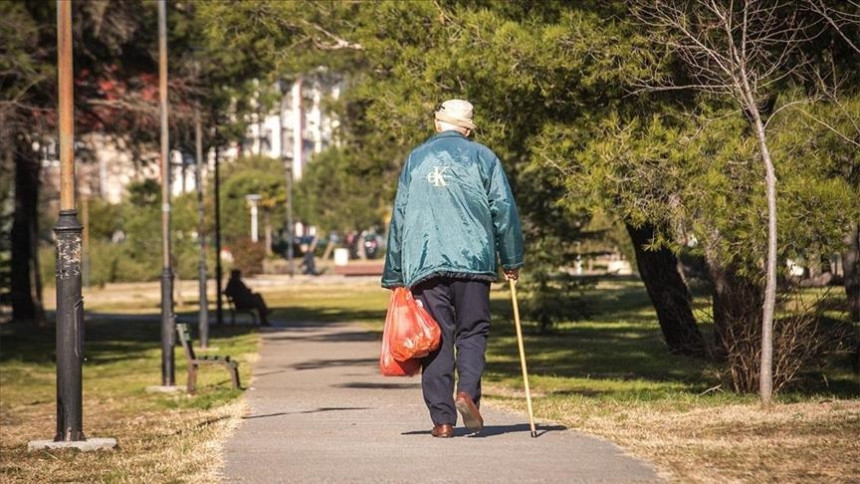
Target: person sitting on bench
(244, 298)
(308, 261)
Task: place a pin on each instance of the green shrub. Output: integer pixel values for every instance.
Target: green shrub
(248, 256)
(48, 264)
(103, 263)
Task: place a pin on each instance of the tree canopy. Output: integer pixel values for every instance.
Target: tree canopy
(582, 101)
(560, 95)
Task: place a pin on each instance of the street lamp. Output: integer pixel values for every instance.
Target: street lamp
(203, 320)
(70, 304)
(283, 87)
(288, 168)
(253, 199)
(219, 273)
(168, 372)
(68, 231)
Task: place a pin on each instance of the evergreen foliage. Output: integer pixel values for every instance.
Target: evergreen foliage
(558, 90)
(560, 95)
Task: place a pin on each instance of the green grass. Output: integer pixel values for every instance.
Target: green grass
(608, 374)
(122, 358)
(363, 302)
(618, 353)
(611, 375)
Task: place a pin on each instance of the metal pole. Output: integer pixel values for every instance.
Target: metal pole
(85, 253)
(288, 175)
(219, 297)
(70, 304)
(522, 355)
(254, 232)
(167, 330)
(252, 203)
(290, 230)
(201, 229)
(298, 152)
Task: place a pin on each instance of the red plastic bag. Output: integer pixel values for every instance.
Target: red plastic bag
(391, 367)
(414, 331)
(410, 334)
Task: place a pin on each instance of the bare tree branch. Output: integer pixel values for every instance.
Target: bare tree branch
(837, 19)
(737, 50)
(338, 42)
(829, 127)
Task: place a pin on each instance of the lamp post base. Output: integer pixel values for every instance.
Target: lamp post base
(88, 445)
(164, 389)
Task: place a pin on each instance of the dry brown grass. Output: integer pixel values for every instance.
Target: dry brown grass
(161, 437)
(690, 439)
(153, 446)
(797, 442)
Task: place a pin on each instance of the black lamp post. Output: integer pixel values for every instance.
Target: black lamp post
(283, 87)
(201, 229)
(219, 271)
(288, 166)
(70, 304)
(168, 374)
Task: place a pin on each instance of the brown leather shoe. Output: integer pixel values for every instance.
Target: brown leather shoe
(443, 430)
(471, 416)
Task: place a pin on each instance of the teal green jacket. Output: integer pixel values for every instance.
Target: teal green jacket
(453, 213)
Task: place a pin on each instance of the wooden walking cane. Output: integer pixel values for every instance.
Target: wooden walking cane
(522, 354)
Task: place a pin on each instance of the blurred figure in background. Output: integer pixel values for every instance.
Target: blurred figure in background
(244, 298)
(308, 261)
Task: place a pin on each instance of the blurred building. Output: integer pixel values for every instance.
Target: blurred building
(296, 126)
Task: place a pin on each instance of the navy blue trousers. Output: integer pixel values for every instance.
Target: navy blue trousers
(462, 309)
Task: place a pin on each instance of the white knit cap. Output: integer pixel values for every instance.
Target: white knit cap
(457, 112)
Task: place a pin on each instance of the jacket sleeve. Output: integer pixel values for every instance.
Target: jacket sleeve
(392, 274)
(506, 219)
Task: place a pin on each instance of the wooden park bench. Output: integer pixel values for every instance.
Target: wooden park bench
(373, 268)
(195, 361)
(238, 308)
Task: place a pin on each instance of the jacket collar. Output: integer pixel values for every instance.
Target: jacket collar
(448, 134)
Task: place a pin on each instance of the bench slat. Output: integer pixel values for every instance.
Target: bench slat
(184, 333)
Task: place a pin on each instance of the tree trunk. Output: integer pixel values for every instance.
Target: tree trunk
(851, 272)
(737, 324)
(25, 278)
(669, 294)
(7, 192)
(851, 275)
(267, 230)
(769, 303)
(736, 302)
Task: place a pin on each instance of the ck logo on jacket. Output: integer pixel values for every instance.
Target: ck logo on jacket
(454, 214)
(435, 177)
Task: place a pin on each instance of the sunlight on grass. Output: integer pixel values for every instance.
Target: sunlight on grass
(608, 375)
(611, 376)
(122, 358)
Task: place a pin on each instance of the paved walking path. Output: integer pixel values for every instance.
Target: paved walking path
(321, 412)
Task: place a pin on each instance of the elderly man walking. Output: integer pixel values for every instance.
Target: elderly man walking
(453, 213)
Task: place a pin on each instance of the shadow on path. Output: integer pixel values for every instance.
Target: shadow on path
(380, 386)
(321, 412)
(316, 410)
(496, 430)
(344, 337)
(317, 364)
